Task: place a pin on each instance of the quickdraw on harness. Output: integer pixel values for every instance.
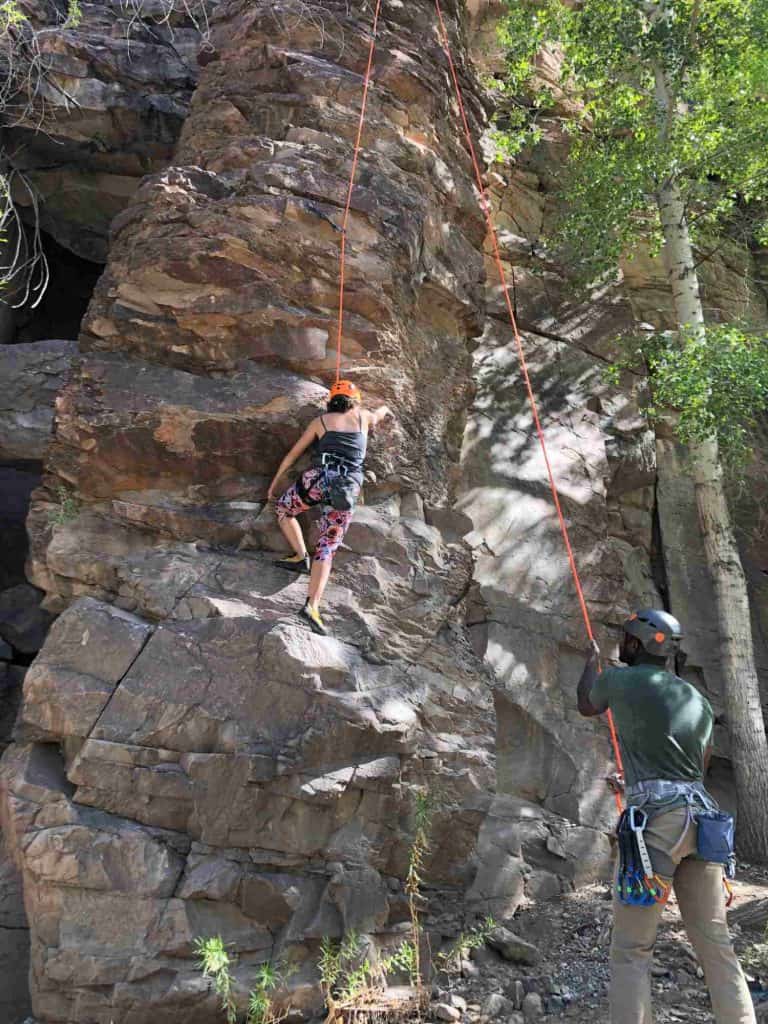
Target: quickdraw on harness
(636, 882)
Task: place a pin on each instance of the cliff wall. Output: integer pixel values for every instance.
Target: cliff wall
(188, 760)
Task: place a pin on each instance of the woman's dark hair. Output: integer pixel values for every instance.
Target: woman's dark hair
(340, 403)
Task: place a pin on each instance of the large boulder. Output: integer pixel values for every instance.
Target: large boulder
(228, 775)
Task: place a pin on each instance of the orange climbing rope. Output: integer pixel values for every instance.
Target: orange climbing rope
(486, 207)
(350, 190)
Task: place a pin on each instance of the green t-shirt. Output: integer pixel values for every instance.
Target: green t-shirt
(664, 724)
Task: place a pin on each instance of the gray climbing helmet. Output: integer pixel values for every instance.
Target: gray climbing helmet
(659, 632)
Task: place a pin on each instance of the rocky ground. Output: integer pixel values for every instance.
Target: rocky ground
(569, 980)
(568, 937)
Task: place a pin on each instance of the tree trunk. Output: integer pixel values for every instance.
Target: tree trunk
(749, 745)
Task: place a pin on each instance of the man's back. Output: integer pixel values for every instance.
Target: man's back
(664, 723)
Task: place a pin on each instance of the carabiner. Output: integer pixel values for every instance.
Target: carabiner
(632, 823)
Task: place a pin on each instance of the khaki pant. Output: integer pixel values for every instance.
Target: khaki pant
(700, 896)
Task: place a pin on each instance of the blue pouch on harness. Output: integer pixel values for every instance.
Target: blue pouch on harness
(714, 841)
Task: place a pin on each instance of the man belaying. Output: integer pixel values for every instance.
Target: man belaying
(340, 440)
(671, 834)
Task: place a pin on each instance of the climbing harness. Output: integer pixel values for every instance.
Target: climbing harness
(339, 489)
(342, 490)
(486, 208)
(637, 884)
(714, 828)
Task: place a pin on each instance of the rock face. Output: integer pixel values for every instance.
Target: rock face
(547, 827)
(114, 90)
(30, 377)
(17, 482)
(14, 932)
(189, 759)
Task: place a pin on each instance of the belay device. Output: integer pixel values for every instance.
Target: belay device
(636, 883)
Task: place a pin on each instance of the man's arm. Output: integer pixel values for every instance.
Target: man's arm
(587, 681)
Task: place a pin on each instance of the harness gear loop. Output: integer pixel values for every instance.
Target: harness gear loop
(351, 188)
(486, 208)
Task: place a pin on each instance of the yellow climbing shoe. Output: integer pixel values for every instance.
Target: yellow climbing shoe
(312, 616)
(296, 563)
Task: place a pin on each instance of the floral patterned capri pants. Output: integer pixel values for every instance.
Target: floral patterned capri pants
(333, 523)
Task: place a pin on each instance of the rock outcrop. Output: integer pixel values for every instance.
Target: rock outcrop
(189, 759)
(102, 104)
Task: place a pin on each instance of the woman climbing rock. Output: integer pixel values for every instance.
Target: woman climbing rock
(340, 440)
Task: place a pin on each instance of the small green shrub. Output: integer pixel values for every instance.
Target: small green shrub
(450, 959)
(74, 14)
(68, 507)
(349, 979)
(424, 810)
(216, 963)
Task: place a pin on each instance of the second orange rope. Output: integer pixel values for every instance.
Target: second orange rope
(486, 207)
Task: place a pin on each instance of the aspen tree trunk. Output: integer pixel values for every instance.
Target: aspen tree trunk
(749, 745)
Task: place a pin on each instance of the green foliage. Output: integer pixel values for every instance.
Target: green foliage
(717, 383)
(349, 978)
(260, 1008)
(10, 15)
(714, 53)
(449, 960)
(708, 61)
(74, 14)
(329, 964)
(67, 510)
(216, 963)
(424, 807)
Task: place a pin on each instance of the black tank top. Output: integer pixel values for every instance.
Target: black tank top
(349, 446)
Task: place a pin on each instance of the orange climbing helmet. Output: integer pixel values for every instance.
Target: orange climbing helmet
(348, 389)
